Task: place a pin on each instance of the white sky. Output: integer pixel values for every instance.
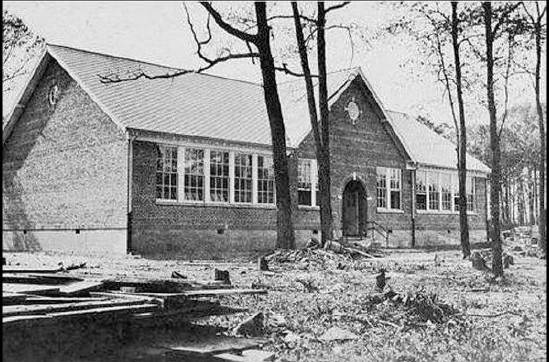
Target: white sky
(158, 32)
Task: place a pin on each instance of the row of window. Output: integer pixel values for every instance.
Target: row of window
(435, 191)
(439, 191)
(203, 175)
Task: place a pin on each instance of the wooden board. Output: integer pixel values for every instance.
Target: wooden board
(79, 287)
(12, 298)
(221, 292)
(30, 289)
(107, 313)
(34, 299)
(36, 309)
(147, 285)
(14, 269)
(210, 346)
(26, 278)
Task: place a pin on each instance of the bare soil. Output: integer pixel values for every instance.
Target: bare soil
(495, 320)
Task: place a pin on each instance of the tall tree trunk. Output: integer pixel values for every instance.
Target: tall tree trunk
(322, 154)
(497, 263)
(285, 230)
(462, 158)
(324, 162)
(542, 243)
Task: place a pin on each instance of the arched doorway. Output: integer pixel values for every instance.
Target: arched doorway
(354, 209)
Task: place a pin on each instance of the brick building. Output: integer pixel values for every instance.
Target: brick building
(182, 166)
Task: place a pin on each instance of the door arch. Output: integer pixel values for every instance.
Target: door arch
(354, 209)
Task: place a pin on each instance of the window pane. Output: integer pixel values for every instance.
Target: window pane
(166, 172)
(381, 186)
(194, 174)
(265, 180)
(243, 178)
(432, 180)
(304, 182)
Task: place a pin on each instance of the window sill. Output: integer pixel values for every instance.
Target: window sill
(308, 207)
(389, 211)
(215, 204)
(436, 212)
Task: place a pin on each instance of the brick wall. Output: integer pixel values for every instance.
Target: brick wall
(358, 149)
(64, 168)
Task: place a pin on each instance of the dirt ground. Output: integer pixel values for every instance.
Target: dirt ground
(493, 320)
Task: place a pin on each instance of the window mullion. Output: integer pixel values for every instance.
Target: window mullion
(388, 187)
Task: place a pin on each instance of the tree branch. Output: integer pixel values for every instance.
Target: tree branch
(335, 7)
(285, 69)
(250, 38)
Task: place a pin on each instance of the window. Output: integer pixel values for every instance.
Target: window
(470, 192)
(166, 173)
(446, 191)
(219, 176)
(394, 188)
(304, 182)
(194, 174)
(381, 186)
(432, 181)
(242, 178)
(388, 193)
(455, 183)
(265, 180)
(421, 190)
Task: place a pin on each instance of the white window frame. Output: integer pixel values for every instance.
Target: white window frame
(387, 171)
(206, 161)
(313, 177)
(454, 191)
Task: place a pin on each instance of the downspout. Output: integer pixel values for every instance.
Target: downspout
(413, 167)
(130, 140)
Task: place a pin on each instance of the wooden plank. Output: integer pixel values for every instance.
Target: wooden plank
(18, 310)
(211, 346)
(148, 285)
(79, 287)
(108, 312)
(30, 289)
(37, 278)
(12, 298)
(252, 355)
(14, 269)
(221, 292)
(34, 299)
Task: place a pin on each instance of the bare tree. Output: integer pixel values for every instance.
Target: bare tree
(261, 40)
(19, 47)
(321, 130)
(462, 140)
(491, 34)
(536, 21)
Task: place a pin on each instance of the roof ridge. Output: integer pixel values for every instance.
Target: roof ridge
(113, 56)
(148, 63)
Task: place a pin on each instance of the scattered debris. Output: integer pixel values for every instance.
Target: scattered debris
(337, 334)
(291, 337)
(381, 280)
(262, 264)
(222, 275)
(178, 275)
(252, 326)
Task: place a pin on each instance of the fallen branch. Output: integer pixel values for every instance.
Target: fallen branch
(492, 315)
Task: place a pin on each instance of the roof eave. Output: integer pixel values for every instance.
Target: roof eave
(24, 95)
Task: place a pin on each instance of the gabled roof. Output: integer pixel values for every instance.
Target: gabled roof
(208, 106)
(427, 147)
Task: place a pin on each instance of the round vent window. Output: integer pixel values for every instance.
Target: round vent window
(353, 111)
(53, 95)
